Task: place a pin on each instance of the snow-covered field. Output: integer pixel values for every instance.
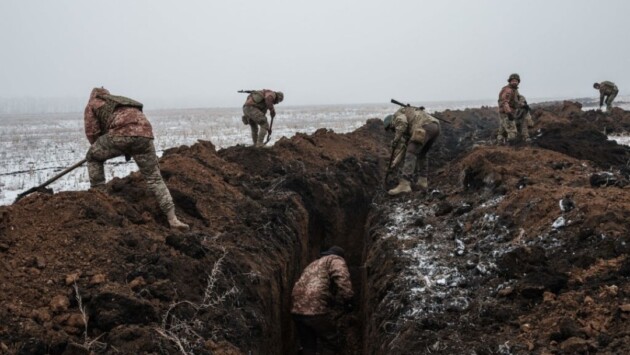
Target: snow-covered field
(35, 147)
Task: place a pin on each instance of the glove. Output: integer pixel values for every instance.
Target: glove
(245, 120)
(510, 116)
(127, 157)
(273, 113)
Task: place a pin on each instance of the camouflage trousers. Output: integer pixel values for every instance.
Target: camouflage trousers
(507, 129)
(416, 161)
(141, 149)
(257, 122)
(317, 327)
(609, 100)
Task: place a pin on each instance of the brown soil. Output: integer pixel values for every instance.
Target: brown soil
(507, 281)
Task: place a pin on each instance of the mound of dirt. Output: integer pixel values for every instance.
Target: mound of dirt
(514, 249)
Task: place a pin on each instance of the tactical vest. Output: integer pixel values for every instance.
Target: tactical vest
(105, 113)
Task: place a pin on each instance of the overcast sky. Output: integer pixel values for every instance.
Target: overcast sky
(198, 53)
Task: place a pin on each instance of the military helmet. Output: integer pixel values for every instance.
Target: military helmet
(388, 121)
(514, 76)
(596, 85)
(334, 250)
(279, 96)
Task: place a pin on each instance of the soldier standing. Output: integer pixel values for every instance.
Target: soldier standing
(324, 284)
(255, 110)
(417, 130)
(508, 103)
(115, 126)
(607, 91)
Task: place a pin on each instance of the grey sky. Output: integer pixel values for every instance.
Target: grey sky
(199, 52)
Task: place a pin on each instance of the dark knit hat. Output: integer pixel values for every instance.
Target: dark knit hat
(334, 250)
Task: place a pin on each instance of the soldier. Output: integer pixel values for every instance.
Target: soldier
(607, 90)
(115, 126)
(255, 109)
(324, 284)
(508, 103)
(417, 130)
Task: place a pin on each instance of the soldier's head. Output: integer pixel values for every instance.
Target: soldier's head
(596, 86)
(514, 79)
(98, 91)
(279, 97)
(388, 122)
(334, 250)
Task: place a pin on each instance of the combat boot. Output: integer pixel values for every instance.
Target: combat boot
(404, 186)
(254, 137)
(422, 183)
(176, 223)
(261, 138)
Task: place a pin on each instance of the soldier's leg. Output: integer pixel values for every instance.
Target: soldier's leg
(405, 174)
(609, 101)
(254, 127)
(501, 133)
(326, 329)
(525, 122)
(257, 116)
(510, 129)
(432, 133)
(143, 152)
(103, 149)
(306, 335)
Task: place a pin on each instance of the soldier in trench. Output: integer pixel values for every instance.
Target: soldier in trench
(116, 126)
(255, 110)
(415, 133)
(508, 106)
(323, 287)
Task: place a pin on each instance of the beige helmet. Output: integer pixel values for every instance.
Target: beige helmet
(279, 97)
(388, 121)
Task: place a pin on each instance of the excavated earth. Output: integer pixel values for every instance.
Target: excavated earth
(514, 249)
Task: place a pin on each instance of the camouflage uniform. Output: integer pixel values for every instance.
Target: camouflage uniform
(607, 91)
(417, 130)
(523, 119)
(508, 103)
(324, 283)
(255, 110)
(122, 131)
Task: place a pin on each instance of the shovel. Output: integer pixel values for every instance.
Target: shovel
(49, 181)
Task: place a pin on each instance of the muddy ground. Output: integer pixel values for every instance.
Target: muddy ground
(513, 250)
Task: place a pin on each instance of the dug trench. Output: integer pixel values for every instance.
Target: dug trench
(482, 263)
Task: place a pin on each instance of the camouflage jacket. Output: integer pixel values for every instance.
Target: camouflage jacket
(324, 283)
(508, 99)
(262, 99)
(125, 121)
(607, 88)
(409, 119)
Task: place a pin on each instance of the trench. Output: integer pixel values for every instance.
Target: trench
(344, 226)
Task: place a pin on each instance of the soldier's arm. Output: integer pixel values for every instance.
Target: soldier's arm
(92, 128)
(400, 126)
(340, 275)
(269, 99)
(504, 99)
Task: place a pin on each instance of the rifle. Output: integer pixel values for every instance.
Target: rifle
(246, 91)
(49, 181)
(420, 108)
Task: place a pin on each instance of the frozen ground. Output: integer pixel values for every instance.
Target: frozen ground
(35, 147)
